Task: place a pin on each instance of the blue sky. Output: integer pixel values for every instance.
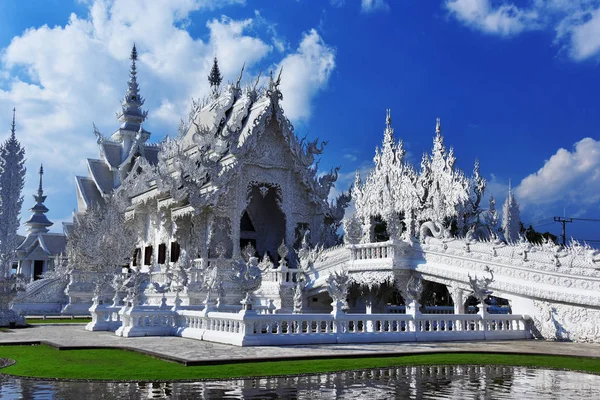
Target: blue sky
(515, 83)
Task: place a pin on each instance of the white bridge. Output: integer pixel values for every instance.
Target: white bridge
(558, 287)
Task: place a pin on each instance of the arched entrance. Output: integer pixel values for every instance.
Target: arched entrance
(263, 223)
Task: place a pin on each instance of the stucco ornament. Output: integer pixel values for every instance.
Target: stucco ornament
(282, 251)
(248, 278)
(338, 283)
(352, 230)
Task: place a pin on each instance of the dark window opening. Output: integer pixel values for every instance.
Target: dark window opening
(148, 255)
(38, 269)
(137, 253)
(162, 253)
(246, 223)
(175, 250)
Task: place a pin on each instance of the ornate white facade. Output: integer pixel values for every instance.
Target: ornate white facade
(237, 241)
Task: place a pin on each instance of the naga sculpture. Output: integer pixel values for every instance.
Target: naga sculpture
(480, 287)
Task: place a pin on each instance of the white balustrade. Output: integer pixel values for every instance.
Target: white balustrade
(372, 251)
(255, 329)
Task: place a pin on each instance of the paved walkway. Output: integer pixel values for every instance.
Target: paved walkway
(194, 352)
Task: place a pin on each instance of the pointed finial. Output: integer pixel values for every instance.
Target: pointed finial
(388, 118)
(509, 185)
(133, 56)
(237, 84)
(12, 126)
(257, 79)
(40, 190)
(438, 126)
(278, 81)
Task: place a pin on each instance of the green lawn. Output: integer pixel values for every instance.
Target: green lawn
(58, 320)
(46, 362)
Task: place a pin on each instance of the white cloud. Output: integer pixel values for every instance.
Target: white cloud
(505, 19)
(369, 6)
(568, 177)
(63, 78)
(305, 73)
(576, 22)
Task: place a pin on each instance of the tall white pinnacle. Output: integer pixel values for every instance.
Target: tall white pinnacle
(511, 222)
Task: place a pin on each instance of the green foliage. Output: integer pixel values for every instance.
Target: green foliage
(58, 320)
(46, 362)
(534, 236)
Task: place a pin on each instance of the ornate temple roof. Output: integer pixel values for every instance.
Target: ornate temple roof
(222, 131)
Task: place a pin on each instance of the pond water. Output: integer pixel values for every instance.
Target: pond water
(431, 382)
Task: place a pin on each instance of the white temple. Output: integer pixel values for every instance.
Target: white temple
(238, 243)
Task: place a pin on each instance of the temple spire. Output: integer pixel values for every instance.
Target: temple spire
(12, 126)
(215, 78)
(132, 116)
(388, 134)
(438, 126)
(38, 222)
(40, 189)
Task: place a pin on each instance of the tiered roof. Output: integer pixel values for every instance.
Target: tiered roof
(118, 154)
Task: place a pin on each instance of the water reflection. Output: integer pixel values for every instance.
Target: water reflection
(433, 382)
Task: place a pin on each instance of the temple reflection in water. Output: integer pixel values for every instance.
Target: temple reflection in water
(416, 382)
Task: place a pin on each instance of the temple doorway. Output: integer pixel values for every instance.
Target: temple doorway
(263, 223)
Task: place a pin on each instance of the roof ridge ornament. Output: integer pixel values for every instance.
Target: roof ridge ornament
(239, 79)
(273, 90)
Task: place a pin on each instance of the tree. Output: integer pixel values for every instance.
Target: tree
(12, 180)
(215, 78)
(536, 237)
(101, 241)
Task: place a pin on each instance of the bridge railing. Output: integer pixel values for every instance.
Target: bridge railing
(250, 328)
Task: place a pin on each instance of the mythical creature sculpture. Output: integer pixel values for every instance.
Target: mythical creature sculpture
(480, 286)
(338, 283)
(298, 298)
(117, 285)
(432, 228)
(179, 274)
(248, 278)
(9, 288)
(308, 256)
(132, 285)
(414, 288)
(326, 182)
